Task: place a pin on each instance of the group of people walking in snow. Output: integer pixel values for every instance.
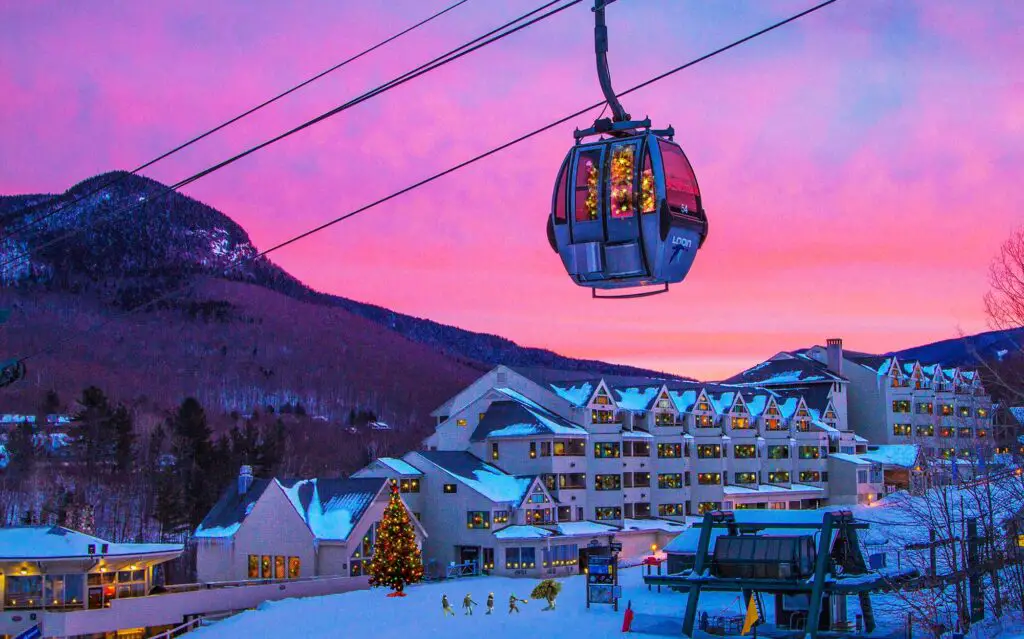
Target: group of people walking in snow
(468, 603)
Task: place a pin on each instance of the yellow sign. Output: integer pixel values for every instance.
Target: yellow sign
(752, 615)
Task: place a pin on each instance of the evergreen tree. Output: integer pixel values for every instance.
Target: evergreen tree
(194, 460)
(397, 561)
(124, 439)
(169, 509)
(51, 403)
(22, 448)
(92, 429)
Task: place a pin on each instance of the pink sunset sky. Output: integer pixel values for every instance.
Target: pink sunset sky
(859, 168)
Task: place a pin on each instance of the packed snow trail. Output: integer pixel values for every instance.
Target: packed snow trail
(370, 613)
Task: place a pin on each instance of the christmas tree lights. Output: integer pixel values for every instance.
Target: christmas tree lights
(591, 201)
(622, 181)
(648, 199)
(397, 561)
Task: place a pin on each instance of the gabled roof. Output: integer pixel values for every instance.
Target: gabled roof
(1018, 413)
(816, 396)
(517, 416)
(636, 398)
(332, 507)
(785, 369)
(878, 364)
(900, 455)
(56, 542)
(231, 509)
(476, 474)
(400, 466)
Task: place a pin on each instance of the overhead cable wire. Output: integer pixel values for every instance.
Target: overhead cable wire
(223, 125)
(477, 43)
(449, 170)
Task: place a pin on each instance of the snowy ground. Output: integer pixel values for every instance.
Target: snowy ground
(371, 614)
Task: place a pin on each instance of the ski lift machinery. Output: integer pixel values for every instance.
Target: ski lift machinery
(626, 211)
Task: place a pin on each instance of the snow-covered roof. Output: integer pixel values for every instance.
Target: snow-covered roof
(583, 528)
(55, 542)
(784, 369)
(636, 399)
(723, 401)
(687, 541)
(490, 481)
(400, 466)
(653, 524)
(523, 532)
(636, 434)
(902, 455)
(1018, 413)
(859, 439)
(765, 489)
(519, 416)
(332, 507)
(852, 459)
(757, 405)
(575, 394)
(684, 400)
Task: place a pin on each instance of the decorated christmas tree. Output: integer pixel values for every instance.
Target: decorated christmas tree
(396, 556)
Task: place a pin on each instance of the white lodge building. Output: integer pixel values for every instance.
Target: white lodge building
(528, 466)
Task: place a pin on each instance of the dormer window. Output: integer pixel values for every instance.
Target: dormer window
(704, 406)
(602, 398)
(773, 410)
(830, 416)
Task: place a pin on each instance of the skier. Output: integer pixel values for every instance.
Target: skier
(512, 601)
(446, 606)
(468, 604)
(490, 603)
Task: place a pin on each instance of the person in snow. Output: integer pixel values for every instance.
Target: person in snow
(490, 603)
(468, 604)
(512, 601)
(446, 607)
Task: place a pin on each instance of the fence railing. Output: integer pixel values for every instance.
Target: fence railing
(192, 624)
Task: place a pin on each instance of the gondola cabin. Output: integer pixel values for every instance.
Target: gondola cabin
(627, 210)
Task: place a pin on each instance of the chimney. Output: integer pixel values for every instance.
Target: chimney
(834, 349)
(244, 479)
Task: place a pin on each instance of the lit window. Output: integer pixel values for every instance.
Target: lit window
(708, 506)
(709, 479)
(709, 451)
(670, 451)
(744, 451)
(670, 481)
(620, 179)
(778, 477)
(451, 488)
(607, 482)
(460, 422)
(605, 513)
(478, 519)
